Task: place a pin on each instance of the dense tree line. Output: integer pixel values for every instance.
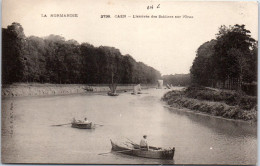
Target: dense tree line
(177, 79)
(54, 60)
(230, 59)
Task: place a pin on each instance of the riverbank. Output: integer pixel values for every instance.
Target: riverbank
(35, 89)
(223, 103)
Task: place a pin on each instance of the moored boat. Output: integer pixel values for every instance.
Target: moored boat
(112, 88)
(153, 152)
(112, 94)
(137, 90)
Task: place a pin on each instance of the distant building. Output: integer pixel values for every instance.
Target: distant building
(160, 84)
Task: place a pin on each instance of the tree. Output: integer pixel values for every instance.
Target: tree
(177, 79)
(13, 53)
(233, 46)
(55, 60)
(230, 59)
(202, 67)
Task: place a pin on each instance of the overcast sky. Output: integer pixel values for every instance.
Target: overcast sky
(167, 44)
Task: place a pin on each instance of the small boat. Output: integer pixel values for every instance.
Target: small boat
(112, 88)
(82, 125)
(153, 152)
(137, 90)
(112, 94)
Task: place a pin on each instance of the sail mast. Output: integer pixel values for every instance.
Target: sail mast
(112, 75)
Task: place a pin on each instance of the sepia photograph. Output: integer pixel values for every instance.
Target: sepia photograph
(129, 82)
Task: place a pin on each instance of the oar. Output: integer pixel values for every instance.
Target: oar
(130, 140)
(61, 124)
(98, 124)
(131, 143)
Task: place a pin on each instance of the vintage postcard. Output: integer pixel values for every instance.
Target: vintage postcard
(129, 82)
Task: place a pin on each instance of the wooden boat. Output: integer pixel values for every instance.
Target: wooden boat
(112, 94)
(112, 88)
(137, 90)
(153, 152)
(82, 125)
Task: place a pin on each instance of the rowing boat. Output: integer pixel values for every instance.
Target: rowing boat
(112, 94)
(154, 153)
(82, 125)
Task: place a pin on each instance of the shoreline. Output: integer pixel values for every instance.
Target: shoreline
(188, 100)
(172, 108)
(28, 89)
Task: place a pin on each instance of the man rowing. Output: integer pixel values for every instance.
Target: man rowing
(79, 121)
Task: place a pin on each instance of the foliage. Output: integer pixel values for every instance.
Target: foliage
(231, 56)
(54, 60)
(13, 60)
(177, 79)
(228, 104)
(229, 97)
(202, 67)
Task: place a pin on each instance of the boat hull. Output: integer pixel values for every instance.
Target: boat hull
(112, 94)
(153, 154)
(82, 125)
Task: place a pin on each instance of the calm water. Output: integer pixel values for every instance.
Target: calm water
(28, 137)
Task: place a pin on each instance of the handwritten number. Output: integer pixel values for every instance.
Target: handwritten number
(151, 7)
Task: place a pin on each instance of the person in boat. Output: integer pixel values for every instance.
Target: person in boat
(143, 143)
(86, 120)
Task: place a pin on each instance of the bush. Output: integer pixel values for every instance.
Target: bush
(228, 104)
(232, 98)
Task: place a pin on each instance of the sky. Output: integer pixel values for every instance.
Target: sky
(167, 44)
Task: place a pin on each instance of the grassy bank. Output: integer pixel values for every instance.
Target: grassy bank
(224, 103)
(36, 89)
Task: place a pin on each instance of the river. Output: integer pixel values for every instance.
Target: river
(28, 137)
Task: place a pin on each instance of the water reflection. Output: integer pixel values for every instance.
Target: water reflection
(231, 128)
(142, 160)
